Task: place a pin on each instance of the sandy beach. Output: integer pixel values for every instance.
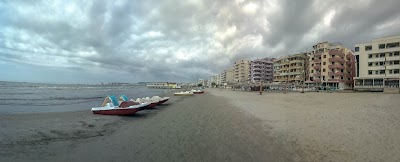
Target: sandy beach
(328, 126)
(198, 128)
(216, 126)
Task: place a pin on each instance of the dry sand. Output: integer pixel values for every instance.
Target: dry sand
(327, 126)
(199, 128)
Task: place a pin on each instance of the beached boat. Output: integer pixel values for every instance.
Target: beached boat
(161, 100)
(124, 100)
(152, 104)
(197, 91)
(186, 93)
(111, 106)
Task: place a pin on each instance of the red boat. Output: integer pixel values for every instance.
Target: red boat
(108, 107)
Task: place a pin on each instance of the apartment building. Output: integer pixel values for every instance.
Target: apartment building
(332, 65)
(262, 70)
(227, 76)
(378, 64)
(241, 70)
(291, 68)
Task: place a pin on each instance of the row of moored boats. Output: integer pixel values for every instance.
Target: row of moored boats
(189, 93)
(124, 106)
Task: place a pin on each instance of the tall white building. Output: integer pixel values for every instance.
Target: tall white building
(378, 65)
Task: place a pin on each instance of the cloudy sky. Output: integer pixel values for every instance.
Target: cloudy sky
(172, 40)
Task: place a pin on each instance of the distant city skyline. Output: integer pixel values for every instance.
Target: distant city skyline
(144, 41)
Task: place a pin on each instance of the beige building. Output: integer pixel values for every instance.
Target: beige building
(378, 64)
(227, 76)
(290, 68)
(331, 65)
(241, 71)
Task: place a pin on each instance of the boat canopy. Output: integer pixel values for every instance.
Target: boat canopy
(123, 98)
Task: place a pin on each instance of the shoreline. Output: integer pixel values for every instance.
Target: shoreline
(194, 128)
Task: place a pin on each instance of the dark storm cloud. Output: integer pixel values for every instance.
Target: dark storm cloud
(176, 40)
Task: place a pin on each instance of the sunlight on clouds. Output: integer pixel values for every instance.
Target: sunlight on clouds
(328, 17)
(153, 34)
(227, 33)
(70, 8)
(250, 8)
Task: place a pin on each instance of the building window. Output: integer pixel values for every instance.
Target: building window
(312, 64)
(382, 55)
(390, 71)
(390, 62)
(341, 71)
(369, 63)
(324, 63)
(333, 77)
(382, 72)
(381, 46)
(370, 56)
(392, 45)
(324, 56)
(396, 71)
(368, 48)
(396, 53)
(312, 71)
(341, 78)
(369, 72)
(396, 62)
(381, 63)
(323, 70)
(376, 72)
(376, 55)
(376, 63)
(357, 49)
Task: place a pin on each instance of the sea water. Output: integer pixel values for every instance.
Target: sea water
(16, 97)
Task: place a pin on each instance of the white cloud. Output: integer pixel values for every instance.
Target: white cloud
(174, 39)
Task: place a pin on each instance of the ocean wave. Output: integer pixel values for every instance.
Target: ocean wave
(43, 104)
(53, 98)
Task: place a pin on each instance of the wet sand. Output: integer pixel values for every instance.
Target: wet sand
(198, 128)
(327, 126)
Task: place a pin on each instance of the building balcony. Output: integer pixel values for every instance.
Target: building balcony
(350, 56)
(294, 73)
(317, 81)
(336, 52)
(317, 74)
(335, 67)
(348, 82)
(295, 61)
(335, 80)
(338, 73)
(348, 75)
(317, 60)
(318, 54)
(285, 63)
(336, 59)
(317, 67)
(350, 62)
(283, 74)
(296, 67)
